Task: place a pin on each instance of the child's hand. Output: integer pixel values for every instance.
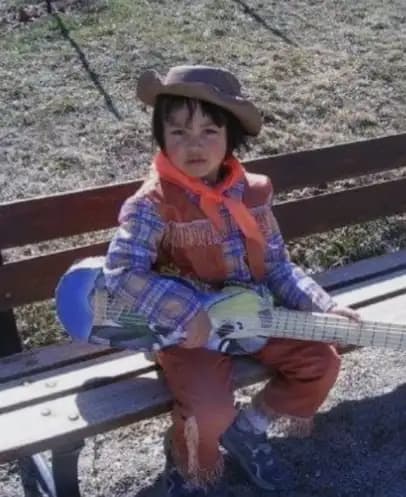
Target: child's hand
(197, 331)
(346, 312)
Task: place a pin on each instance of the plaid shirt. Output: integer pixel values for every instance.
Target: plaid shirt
(169, 303)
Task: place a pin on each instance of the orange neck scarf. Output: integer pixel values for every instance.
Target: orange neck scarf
(212, 197)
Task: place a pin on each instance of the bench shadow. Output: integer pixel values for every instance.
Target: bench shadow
(136, 383)
(277, 32)
(82, 57)
(126, 388)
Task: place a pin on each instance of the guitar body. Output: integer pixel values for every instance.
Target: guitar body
(83, 309)
(73, 297)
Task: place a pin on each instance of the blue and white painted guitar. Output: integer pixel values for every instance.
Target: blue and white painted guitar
(242, 320)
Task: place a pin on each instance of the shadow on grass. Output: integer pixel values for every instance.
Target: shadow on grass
(277, 32)
(93, 76)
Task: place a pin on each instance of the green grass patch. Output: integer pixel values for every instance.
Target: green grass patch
(349, 244)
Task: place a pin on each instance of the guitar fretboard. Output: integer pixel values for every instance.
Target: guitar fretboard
(284, 323)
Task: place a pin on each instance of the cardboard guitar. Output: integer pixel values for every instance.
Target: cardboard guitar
(238, 316)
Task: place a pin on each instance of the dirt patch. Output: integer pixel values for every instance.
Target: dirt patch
(14, 16)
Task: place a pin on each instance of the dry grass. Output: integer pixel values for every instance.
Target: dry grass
(321, 72)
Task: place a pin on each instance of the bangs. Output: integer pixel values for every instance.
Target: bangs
(171, 104)
(165, 105)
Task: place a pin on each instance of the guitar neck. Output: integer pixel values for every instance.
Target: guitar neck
(283, 323)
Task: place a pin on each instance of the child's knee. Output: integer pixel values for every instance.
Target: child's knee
(315, 362)
(328, 362)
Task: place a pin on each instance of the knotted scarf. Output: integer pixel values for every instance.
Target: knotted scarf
(211, 198)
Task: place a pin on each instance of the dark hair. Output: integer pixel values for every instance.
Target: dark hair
(166, 104)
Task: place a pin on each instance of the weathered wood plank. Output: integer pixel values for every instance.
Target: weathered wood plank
(392, 310)
(318, 166)
(44, 218)
(325, 212)
(58, 216)
(42, 273)
(42, 359)
(77, 416)
(298, 218)
(373, 290)
(73, 378)
(362, 270)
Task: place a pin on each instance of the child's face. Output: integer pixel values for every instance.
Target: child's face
(194, 143)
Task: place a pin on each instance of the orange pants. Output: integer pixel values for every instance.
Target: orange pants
(200, 381)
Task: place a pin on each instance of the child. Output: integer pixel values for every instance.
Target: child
(204, 217)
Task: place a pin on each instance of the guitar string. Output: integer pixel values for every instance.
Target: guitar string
(362, 330)
(298, 317)
(377, 331)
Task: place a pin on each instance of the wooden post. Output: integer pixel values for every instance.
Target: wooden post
(10, 341)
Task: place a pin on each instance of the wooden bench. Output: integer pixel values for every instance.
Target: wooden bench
(54, 397)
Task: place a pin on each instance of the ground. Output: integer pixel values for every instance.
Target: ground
(322, 72)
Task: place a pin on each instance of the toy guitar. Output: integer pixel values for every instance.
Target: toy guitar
(242, 319)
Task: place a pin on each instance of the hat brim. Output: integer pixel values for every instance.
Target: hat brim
(150, 86)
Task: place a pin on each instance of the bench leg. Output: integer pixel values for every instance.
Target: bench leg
(65, 470)
(58, 480)
(10, 342)
(30, 478)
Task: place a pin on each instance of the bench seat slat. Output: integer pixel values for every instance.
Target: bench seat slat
(393, 310)
(73, 378)
(374, 290)
(39, 219)
(321, 213)
(77, 416)
(43, 358)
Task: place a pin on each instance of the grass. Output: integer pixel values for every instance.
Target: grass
(350, 244)
(321, 73)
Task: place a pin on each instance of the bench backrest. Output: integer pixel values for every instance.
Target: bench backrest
(65, 215)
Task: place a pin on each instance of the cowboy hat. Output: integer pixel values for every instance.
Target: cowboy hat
(210, 84)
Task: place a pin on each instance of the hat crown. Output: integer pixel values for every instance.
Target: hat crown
(207, 83)
(223, 80)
